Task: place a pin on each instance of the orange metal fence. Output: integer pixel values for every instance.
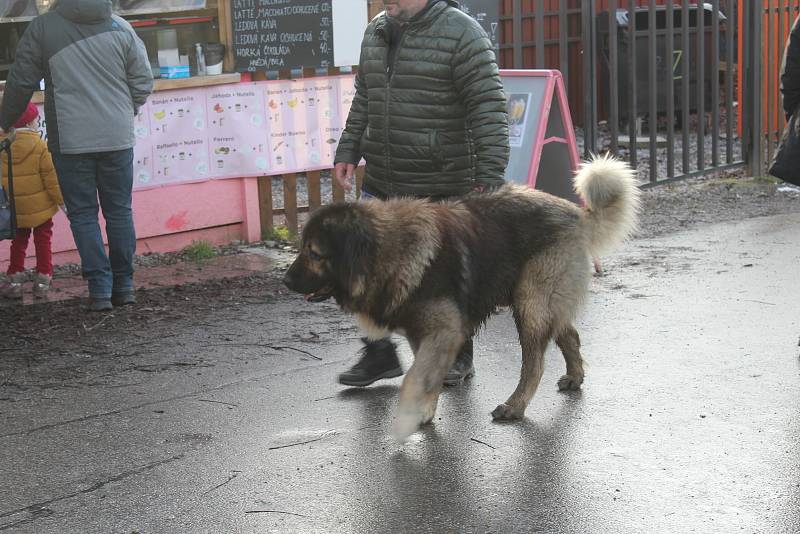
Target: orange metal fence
(777, 19)
(562, 34)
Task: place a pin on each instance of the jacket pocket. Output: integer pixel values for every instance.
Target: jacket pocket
(364, 143)
(435, 149)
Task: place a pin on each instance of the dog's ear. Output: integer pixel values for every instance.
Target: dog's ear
(353, 238)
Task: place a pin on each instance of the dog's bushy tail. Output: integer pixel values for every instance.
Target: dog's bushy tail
(609, 189)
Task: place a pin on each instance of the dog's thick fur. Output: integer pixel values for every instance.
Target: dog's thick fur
(435, 272)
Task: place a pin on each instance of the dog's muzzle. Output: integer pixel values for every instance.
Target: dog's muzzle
(311, 294)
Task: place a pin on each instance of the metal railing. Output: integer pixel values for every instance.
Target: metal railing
(676, 94)
(774, 25)
(678, 88)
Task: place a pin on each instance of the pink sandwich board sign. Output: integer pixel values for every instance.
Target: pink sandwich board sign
(544, 154)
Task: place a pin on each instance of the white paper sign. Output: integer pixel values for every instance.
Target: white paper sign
(349, 23)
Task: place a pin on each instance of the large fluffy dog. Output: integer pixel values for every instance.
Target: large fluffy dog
(435, 272)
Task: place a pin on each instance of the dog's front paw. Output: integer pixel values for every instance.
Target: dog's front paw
(570, 383)
(406, 423)
(412, 415)
(506, 412)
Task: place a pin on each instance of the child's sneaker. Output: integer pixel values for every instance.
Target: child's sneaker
(41, 285)
(12, 287)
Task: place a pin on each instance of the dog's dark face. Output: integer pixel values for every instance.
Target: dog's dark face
(333, 254)
(311, 272)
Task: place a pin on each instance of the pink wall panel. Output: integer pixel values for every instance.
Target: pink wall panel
(180, 208)
(168, 218)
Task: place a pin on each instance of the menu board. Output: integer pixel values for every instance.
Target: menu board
(236, 130)
(487, 13)
(171, 139)
(246, 129)
(281, 34)
(290, 138)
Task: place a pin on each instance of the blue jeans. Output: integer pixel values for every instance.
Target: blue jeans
(108, 176)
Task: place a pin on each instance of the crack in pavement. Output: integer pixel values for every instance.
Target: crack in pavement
(38, 507)
(161, 401)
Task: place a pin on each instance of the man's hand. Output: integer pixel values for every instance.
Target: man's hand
(343, 172)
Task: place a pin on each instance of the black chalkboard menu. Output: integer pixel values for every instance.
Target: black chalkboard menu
(281, 34)
(487, 13)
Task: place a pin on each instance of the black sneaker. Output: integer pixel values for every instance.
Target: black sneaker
(378, 360)
(99, 305)
(123, 299)
(462, 368)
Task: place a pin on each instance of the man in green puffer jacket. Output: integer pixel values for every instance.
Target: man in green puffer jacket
(429, 118)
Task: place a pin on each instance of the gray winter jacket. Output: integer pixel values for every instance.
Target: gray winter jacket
(96, 75)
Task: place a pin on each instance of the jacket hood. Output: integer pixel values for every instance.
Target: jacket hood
(84, 11)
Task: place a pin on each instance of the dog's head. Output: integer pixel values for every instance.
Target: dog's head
(335, 251)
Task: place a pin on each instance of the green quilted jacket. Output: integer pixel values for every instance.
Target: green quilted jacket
(437, 126)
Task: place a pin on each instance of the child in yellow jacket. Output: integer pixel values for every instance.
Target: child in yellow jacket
(37, 198)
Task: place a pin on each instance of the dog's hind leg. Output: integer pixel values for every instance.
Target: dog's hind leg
(570, 344)
(534, 335)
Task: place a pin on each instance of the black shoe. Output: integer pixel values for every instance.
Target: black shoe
(99, 305)
(378, 360)
(123, 299)
(462, 368)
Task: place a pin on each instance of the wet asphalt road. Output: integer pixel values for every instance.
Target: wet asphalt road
(688, 421)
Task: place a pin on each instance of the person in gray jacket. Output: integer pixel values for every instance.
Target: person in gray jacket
(97, 76)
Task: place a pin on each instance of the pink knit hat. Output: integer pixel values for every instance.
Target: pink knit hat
(30, 113)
